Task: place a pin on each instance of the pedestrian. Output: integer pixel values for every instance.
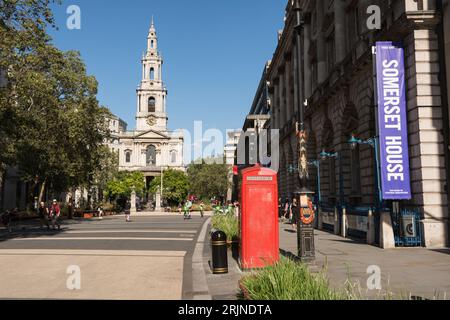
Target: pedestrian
(70, 207)
(43, 215)
(287, 210)
(236, 209)
(280, 208)
(100, 212)
(187, 211)
(6, 220)
(295, 213)
(55, 213)
(201, 209)
(128, 211)
(180, 207)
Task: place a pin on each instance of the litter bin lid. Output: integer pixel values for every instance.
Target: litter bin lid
(218, 236)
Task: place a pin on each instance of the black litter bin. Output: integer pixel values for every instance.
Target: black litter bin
(219, 252)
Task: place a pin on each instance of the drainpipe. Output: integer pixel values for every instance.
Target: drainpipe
(444, 94)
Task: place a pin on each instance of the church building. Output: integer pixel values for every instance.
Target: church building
(151, 148)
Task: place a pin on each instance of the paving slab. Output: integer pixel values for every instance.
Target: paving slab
(404, 271)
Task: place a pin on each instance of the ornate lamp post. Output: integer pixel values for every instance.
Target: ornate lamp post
(305, 227)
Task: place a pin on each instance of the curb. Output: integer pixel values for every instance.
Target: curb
(199, 284)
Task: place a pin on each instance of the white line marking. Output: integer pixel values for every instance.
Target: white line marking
(67, 252)
(101, 238)
(128, 231)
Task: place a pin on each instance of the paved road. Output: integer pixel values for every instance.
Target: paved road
(149, 258)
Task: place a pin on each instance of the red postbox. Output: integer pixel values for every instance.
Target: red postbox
(259, 245)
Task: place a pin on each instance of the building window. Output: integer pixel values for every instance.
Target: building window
(151, 104)
(151, 155)
(173, 156)
(152, 73)
(152, 44)
(128, 156)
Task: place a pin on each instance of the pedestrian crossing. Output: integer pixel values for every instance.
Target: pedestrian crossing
(143, 233)
(156, 250)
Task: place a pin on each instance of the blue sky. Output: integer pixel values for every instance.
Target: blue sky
(214, 53)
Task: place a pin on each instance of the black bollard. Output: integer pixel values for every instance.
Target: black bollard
(219, 252)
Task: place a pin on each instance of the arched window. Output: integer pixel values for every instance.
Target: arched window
(151, 156)
(173, 156)
(127, 156)
(151, 104)
(152, 73)
(152, 44)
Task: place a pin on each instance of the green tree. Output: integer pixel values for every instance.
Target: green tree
(208, 179)
(51, 125)
(175, 186)
(123, 184)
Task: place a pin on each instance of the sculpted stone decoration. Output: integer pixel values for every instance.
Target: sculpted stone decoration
(151, 120)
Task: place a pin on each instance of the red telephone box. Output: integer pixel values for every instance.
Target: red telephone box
(259, 245)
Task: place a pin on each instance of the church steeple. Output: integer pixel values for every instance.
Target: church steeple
(152, 46)
(151, 94)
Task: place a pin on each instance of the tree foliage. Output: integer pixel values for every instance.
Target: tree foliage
(123, 184)
(175, 186)
(209, 179)
(51, 124)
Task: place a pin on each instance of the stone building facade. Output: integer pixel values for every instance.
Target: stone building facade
(331, 72)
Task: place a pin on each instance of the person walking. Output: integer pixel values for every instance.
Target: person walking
(6, 220)
(100, 212)
(128, 211)
(55, 213)
(287, 210)
(295, 213)
(236, 209)
(187, 209)
(202, 209)
(280, 209)
(43, 215)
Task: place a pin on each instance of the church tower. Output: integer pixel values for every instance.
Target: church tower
(151, 93)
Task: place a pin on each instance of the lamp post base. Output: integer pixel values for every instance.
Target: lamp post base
(305, 241)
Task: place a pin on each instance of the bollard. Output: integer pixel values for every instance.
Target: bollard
(219, 252)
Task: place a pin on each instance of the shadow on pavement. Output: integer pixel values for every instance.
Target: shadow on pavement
(289, 255)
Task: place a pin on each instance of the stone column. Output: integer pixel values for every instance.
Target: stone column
(339, 29)
(426, 141)
(158, 201)
(282, 107)
(296, 80)
(133, 202)
(321, 45)
(387, 240)
(287, 74)
(306, 61)
(275, 105)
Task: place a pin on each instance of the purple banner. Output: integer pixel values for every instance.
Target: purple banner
(392, 122)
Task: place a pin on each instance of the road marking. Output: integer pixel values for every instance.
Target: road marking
(68, 252)
(129, 231)
(101, 238)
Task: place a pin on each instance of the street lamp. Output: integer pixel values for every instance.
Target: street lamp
(326, 155)
(374, 143)
(316, 163)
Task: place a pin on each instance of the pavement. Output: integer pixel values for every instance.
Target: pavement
(405, 272)
(162, 256)
(147, 259)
